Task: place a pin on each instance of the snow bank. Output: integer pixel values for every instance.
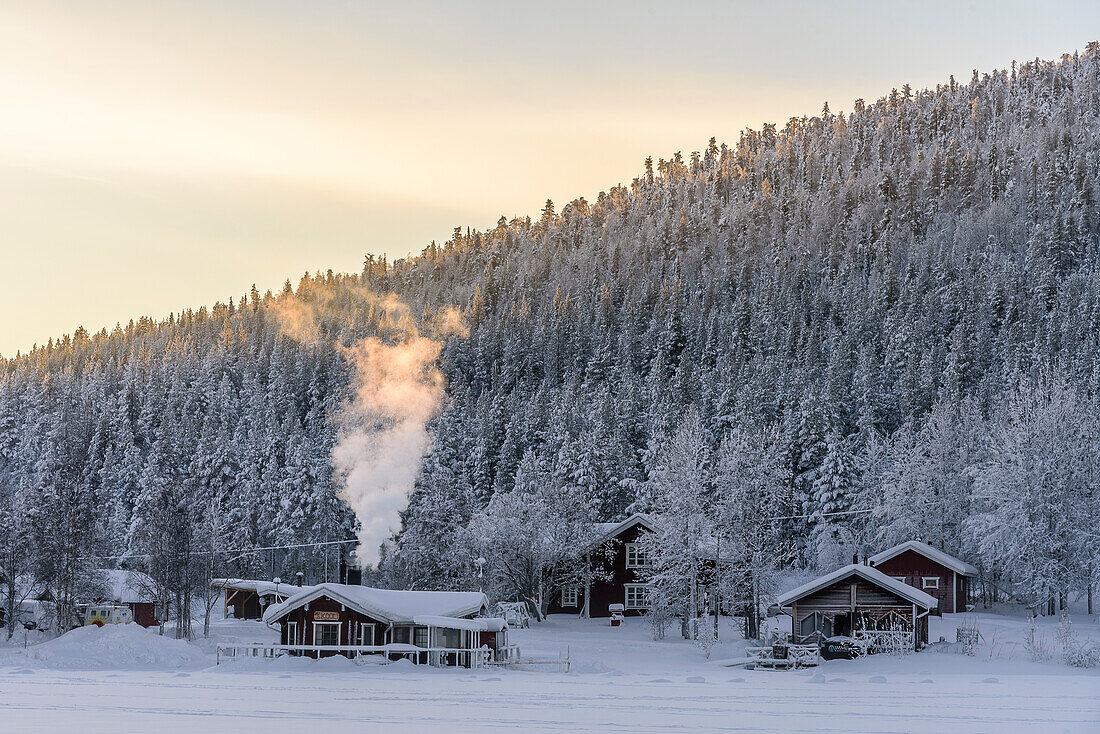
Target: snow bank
(113, 647)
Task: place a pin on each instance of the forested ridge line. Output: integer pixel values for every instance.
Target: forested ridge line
(895, 310)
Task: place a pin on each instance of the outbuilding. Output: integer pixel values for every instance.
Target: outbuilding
(132, 589)
(248, 598)
(932, 571)
(861, 602)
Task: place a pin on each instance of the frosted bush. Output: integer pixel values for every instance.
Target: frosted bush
(1036, 643)
(1076, 652)
(705, 637)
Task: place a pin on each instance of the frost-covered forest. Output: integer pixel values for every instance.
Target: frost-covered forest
(851, 330)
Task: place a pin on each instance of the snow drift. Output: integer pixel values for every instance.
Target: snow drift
(113, 647)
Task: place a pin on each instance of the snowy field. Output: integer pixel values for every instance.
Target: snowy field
(128, 680)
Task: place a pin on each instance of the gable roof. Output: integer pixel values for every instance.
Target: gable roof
(387, 605)
(928, 552)
(905, 591)
(127, 587)
(610, 530)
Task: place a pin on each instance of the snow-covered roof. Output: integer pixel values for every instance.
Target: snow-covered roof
(905, 591)
(27, 588)
(127, 587)
(388, 605)
(478, 624)
(928, 552)
(608, 530)
(263, 588)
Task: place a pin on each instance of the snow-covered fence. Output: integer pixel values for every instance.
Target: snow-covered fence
(897, 642)
(435, 656)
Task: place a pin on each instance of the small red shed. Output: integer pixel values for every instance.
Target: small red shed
(132, 589)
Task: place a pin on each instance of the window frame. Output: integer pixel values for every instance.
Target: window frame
(292, 633)
(925, 579)
(570, 597)
(317, 631)
(902, 579)
(636, 588)
(416, 634)
(640, 557)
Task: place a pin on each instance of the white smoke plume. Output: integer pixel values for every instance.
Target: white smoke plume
(383, 436)
(383, 429)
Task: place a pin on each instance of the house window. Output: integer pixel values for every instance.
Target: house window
(814, 624)
(366, 633)
(569, 597)
(930, 582)
(420, 636)
(899, 578)
(635, 556)
(292, 633)
(326, 633)
(637, 596)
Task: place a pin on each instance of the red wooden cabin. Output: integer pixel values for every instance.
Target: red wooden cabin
(399, 623)
(930, 570)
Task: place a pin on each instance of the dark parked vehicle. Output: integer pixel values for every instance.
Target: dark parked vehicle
(840, 648)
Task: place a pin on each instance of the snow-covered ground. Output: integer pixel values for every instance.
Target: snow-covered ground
(128, 680)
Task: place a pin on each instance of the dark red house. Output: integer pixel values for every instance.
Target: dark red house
(616, 562)
(932, 571)
(132, 589)
(861, 602)
(428, 625)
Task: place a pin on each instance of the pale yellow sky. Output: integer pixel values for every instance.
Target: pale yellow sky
(161, 155)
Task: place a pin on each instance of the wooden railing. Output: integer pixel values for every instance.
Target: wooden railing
(510, 655)
(884, 640)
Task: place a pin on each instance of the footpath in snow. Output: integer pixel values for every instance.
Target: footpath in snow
(128, 679)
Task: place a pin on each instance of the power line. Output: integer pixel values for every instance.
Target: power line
(239, 551)
(821, 514)
(246, 551)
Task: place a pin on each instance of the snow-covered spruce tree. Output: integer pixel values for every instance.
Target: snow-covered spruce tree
(834, 485)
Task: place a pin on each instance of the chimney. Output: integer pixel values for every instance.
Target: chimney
(855, 558)
(298, 578)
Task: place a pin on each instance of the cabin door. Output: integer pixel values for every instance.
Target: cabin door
(366, 633)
